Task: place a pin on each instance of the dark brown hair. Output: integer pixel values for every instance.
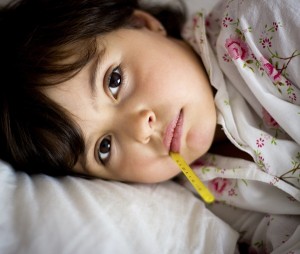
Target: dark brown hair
(36, 135)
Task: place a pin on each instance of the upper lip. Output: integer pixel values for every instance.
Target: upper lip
(172, 134)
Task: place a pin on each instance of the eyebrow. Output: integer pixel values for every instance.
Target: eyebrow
(93, 73)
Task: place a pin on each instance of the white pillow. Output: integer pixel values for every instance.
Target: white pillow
(42, 214)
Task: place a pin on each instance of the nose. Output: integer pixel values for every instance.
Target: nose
(142, 126)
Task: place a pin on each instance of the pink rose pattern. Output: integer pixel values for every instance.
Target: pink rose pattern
(226, 191)
(237, 48)
(219, 185)
(273, 65)
(270, 69)
(270, 64)
(269, 120)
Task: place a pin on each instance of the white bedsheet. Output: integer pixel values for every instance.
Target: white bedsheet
(71, 215)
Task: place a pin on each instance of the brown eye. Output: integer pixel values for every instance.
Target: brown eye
(115, 81)
(104, 149)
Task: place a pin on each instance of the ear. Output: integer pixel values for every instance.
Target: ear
(142, 19)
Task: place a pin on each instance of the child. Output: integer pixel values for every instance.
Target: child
(105, 89)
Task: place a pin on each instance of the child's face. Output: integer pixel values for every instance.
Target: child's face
(145, 85)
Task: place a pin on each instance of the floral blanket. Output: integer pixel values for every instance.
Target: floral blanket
(251, 51)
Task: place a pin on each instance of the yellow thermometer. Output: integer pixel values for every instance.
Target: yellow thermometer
(204, 193)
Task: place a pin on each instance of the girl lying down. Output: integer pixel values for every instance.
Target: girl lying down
(108, 89)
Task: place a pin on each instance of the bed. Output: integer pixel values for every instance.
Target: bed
(42, 214)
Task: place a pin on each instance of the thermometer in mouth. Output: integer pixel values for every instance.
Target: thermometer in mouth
(202, 190)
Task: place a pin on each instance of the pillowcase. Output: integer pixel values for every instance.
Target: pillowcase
(42, 214)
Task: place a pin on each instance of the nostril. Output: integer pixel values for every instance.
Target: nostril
(151, 120)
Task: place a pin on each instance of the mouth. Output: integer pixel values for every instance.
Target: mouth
(172, 137)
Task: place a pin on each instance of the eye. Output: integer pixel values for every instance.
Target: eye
(104, 149)
(115, 81)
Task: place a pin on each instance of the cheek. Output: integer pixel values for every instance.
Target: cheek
(143, 168)
(163, 80)
(199, 140)
(200, 134)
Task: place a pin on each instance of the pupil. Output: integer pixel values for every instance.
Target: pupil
(115, 79)
(105, 146)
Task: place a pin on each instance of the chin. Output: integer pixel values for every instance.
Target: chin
(194, 153)
(165, 177)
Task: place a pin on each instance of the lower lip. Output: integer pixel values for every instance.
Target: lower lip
(176, 140)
